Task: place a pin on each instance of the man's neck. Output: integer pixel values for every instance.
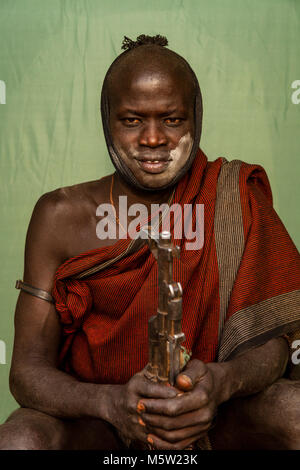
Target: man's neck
(135, 195)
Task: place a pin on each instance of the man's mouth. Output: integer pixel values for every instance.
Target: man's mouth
(153, 165)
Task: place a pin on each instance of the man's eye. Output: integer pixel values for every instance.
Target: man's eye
(173, 121)
(131, 121)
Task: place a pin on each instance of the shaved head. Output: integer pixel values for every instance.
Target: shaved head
(154, 62)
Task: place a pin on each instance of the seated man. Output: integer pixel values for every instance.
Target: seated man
(82, 315)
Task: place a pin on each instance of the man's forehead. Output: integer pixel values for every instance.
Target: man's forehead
(146, 76)
(146, 107)
(157, 86)
(149, 80)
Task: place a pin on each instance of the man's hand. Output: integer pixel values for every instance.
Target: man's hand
(126, 406)
(176, 423)
(182, 420)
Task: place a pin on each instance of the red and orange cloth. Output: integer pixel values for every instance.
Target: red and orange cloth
(239, 290)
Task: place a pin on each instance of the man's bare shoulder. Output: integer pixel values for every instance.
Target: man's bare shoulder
(67, 215)
(74, 197)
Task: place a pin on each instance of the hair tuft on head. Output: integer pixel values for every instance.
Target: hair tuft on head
(143, 40)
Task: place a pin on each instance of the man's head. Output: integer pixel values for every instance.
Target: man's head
(151, 112)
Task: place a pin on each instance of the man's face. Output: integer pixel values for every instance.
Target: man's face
(152, 125)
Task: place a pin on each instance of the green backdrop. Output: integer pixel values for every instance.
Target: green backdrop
(53, 57)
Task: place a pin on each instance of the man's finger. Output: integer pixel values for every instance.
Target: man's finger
(161, 444)
(147, 388)
(201, 417)
(192, 373)
(179, 434)
(189, 401)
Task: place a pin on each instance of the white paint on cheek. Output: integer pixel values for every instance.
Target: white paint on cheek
(178, 157)
(131, 152)
(183, 148)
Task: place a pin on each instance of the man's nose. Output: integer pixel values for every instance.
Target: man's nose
(152, 135)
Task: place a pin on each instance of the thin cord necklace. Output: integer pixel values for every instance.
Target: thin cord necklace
(112, 203)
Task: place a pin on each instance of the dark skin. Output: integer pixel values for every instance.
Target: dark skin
(151, 120)
(140, 409)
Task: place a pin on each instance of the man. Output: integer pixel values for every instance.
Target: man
(77, 368)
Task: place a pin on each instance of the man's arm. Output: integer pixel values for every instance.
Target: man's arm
(254, 370)
(35, 380)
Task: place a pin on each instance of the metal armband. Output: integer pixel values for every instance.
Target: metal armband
(35, 291)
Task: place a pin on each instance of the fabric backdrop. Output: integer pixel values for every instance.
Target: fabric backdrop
(53, 57)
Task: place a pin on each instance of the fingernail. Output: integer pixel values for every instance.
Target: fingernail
(149, 439)
(186, 379)
(180, 394)
(141, 422)
(140, 407)
(185, 382)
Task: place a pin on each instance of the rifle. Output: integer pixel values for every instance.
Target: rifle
(166, 355)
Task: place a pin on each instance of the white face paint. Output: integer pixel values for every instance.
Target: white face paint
(182, 151)
(150, 177)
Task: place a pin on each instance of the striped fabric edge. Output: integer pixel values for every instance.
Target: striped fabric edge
(133, 246)
(256, 324)
(229, 233)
